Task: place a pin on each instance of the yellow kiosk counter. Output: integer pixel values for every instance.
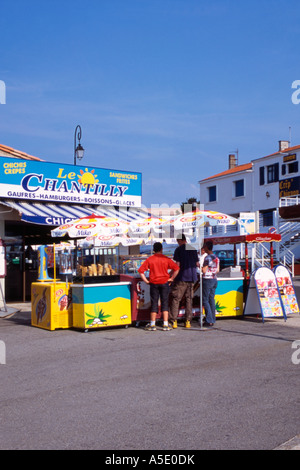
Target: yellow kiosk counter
(57, 305)
(101, 305)
(229, 297)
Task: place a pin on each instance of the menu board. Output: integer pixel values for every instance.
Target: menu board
(263, 296)
(286, 290)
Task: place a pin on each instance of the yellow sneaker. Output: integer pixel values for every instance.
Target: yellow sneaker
(188, 324)
(174, 324)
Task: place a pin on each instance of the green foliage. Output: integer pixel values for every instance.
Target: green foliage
(99, 315)
(188, 205)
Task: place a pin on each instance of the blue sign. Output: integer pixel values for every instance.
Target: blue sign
(60, 183)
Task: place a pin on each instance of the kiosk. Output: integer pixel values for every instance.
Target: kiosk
(233, 283)
(87, 300)
(232, 286)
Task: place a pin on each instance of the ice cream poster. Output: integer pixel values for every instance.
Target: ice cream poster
(268, 293)
(263, 295)
(286, 290)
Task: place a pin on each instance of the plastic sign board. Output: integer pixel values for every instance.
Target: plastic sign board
(263, 295)
(286, 290)
(60, 183)
(247, 223)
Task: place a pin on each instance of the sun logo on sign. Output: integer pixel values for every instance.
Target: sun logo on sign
(87, 178)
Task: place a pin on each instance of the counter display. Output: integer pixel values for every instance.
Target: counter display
(229, 297)
(101, 305)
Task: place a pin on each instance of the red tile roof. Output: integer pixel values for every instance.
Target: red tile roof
(248, 166)
(17, 153)
(236, 169)
(287, 150)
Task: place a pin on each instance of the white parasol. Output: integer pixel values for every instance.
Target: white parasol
(92, 225)
(109, 241)
(196, 219)
(146, 226)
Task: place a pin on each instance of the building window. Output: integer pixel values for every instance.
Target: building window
(262, 175)
(212, 193)
(273, 173)
(289, 168)
(267, 218)
(238, 188)
(293, 167)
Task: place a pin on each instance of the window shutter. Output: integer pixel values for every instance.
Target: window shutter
(276, 172)
(262, 175)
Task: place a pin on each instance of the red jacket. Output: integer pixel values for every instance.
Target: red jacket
(158, 265)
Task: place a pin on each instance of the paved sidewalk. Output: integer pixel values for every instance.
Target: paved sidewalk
(23, 311)
(13, 308)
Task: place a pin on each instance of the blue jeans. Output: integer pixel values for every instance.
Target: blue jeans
(208, 298)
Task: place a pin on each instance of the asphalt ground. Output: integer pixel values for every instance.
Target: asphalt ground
(233, 387)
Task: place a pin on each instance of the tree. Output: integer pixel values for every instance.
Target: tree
(189, 204)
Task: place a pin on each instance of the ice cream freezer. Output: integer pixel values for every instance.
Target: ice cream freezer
(51, 306)
(229, 297)
(101, 305)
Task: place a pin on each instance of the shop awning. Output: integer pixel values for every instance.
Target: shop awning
(250, 238)
(58, 214)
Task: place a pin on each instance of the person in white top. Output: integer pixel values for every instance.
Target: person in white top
(202, 256)
(210, 268)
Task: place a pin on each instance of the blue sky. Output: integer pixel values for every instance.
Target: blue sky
(167, 88)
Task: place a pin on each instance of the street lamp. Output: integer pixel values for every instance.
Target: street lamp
(79, 150)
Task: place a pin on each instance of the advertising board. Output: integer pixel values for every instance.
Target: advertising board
(62, 183)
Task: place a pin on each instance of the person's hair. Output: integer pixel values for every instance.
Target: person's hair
(157, 247)
(181, 237)
(209, 245)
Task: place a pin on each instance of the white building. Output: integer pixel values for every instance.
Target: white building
(268, 186)
(258, 186)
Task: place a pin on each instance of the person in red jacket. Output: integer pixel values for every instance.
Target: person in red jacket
(158, 266)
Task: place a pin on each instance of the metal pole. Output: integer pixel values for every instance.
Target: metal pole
(201, 239)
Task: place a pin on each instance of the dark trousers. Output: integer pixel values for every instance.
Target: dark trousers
(179, 289)
(159, 291)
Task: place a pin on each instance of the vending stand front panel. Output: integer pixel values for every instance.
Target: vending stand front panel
(229, 297)
(101, 305)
